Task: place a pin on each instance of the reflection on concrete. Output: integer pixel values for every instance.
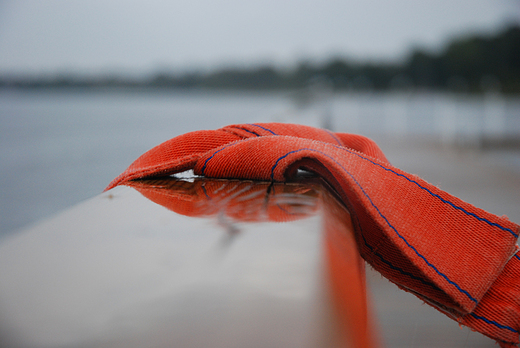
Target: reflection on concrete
(222, 271)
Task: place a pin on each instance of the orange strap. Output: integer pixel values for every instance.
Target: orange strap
(458, 258)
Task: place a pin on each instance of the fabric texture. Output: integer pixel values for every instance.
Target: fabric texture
(456, 257)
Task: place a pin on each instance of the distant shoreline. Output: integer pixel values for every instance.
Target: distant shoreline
(470, 65)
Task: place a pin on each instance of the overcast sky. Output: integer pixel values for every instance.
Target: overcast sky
(124, 35)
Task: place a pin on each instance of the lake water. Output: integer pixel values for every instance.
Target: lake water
(59, 148)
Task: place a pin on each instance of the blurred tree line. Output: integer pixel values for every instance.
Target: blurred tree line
(471, 64)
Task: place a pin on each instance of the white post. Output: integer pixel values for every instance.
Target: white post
(446, 116)
(494, 116)
(396, 115)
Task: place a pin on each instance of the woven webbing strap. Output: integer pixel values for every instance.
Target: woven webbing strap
(458, 258)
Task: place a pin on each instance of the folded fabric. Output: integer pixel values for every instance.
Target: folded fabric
(458, 258)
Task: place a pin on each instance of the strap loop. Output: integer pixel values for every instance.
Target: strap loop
(446, 251)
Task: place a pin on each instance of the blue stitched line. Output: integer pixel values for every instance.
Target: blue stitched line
(395, 268)
(406, 273)
(270, 131)
(431, 193)
(206, 193)
(494, 323)
(249, 131)
(333, 136)
(286, 211)
(516, 255)
(426, 283)
(418, 254)
(281, 158)
(384, 217)
(510, 343)
(207, 160)
(400, 270)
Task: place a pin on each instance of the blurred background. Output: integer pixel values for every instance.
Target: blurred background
(88, 86)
